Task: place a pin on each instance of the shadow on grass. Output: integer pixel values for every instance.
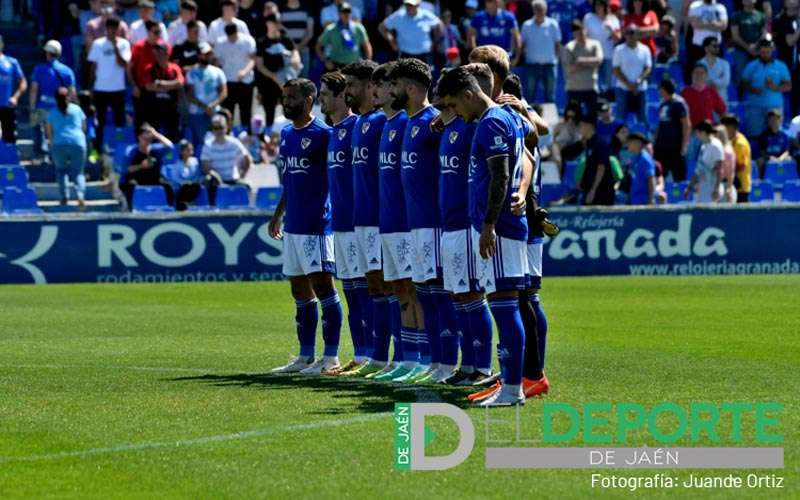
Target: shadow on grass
(354, 393)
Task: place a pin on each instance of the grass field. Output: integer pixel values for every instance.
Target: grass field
(161, 391)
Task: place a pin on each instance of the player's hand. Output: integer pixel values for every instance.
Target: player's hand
(511, 101)
(487, 241)
(275, 228)
(518, 203)
(12, 102)
(437, 124)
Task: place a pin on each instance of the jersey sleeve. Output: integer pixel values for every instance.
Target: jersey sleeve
(494, 136)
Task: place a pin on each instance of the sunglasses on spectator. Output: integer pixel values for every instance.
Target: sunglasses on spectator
(217, 127)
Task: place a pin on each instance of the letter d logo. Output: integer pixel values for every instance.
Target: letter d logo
(410, 436)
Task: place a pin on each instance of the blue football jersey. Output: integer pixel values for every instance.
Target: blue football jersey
(393, 202)
(419, 163)
(305, 181)
(454, 151)
(366, 191)
(340, 174)
(498, 133)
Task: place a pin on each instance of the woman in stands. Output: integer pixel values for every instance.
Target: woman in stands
(66, 133)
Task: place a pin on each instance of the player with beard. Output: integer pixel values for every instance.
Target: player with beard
(308, 258)
(419, 162)
(340, 180)
(366, 211)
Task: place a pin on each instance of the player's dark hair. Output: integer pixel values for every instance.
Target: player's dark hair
(335, 81)
(362, 69)
(382, 73)
(456, 80)
(304, 85)
(483, 75)
(512, 85)
(412, 69)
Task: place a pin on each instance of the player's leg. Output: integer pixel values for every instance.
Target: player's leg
(534, 382)
(403, 289)
(345, 271)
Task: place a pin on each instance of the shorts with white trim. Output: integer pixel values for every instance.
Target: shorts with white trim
(346, 255)
(368, 245)
(396, 256)
(505, 271)
(459, 262)
(305, 254)
(533, 276)
(426, 260)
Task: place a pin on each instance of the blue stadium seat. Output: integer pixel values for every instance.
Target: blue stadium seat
(570, 169)
(122, 155)
(652, 115)
(201, 203)
(17, 201)
(674, 191)
(737, 108)
(791, 191)
(733, 92)
(114, 136)
(755, 175)
(659, 70)
(652, 94)
(552, 192)
(233, 198)
(778, 172)
(690, 166)
(763, 191)
(267, 198)
(675, 70)
(13, 177)
(150, 199)
(8, 154)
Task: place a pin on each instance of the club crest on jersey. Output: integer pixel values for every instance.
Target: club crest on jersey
(305, 142)
(414, 131)
(453, 137)
(342, 133)
(364, 127)
(498, 140)
(392, 133)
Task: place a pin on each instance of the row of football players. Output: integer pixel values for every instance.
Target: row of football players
(424, 212)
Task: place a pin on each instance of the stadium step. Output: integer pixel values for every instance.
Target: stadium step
(95, 190)
(54, 206)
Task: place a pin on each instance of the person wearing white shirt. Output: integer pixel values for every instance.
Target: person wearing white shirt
(147, 10)
(604, 27)
(217, 28)
(707, 18)
(541, 44)
(707, 178)
(719, 70)
(412, 31)
(108, 58)
(177, 32)
(632, 63)
(236, 52)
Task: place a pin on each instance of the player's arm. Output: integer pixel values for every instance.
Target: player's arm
(499, 174)
(519, 199)
(275, 227)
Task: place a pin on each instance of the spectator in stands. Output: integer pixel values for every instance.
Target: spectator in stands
(184, 176)
(145, 164)
(642, 171)
(299, 23)
(46, 79)
(98, 28)
(12, 85)
(581, 58)
(748, 26)
(162, 86)
(252, 13)
(541, 44)
(206, 89)
(470, 9)
(109, 57)
(703, 100)
(254, 140)
(607, 124)
(707, 19)
(632, 66)
(786, 32)
(742, 155)
(706, 181)
(619, 145)
(495, 26)
(224, 158)
(277, 61)
(718, 69)
(187, 53)
(794, 136)
(139, 29)
(597, 182)
(666, 41)
(645, 21)
(451, 38)
(66, 133)
(673, 132)
(237, 55)
(178, 30)
(343, 42)
(774, 144)
(143, 55)
(330, 13)
(728, 170)
(567, 140)
(216, 29)
(412, 31)
(765, 79)
(603, 26)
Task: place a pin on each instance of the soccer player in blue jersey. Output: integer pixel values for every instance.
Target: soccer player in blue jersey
(499, 236)
(308, 258)
(419, 172)
(366, 215)
(340, 180)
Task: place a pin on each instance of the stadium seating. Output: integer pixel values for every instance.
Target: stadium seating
(20, 201)
(122, 157)
(201, 203)
(267, 198)
(114, 136)
(233, 198)
(150, 199)
(13, 177)
(552, 192)
(570, 169)
(791, 191)
(737, 108)
(763, 191)
(675, 70)
(780, 172)
(659, 70)
(675, 190)
(652, 115)
(8, 154)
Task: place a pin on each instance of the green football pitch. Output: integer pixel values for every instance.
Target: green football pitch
(155, 391)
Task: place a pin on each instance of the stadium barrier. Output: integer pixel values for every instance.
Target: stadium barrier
(234, 245)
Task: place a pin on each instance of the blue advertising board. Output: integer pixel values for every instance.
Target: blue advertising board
(234, 246)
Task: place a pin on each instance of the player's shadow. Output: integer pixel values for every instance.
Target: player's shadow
(354, 393)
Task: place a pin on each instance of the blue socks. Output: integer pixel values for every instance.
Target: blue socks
(355, 318)
(512, 337)
(465, 337)
(541, 325)
(448, 326)
(431, 318)
(331, 322)
(410, 346)
(396, 327)
(480, 323)
(366, 314)
(382, 322)
(306, 319)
